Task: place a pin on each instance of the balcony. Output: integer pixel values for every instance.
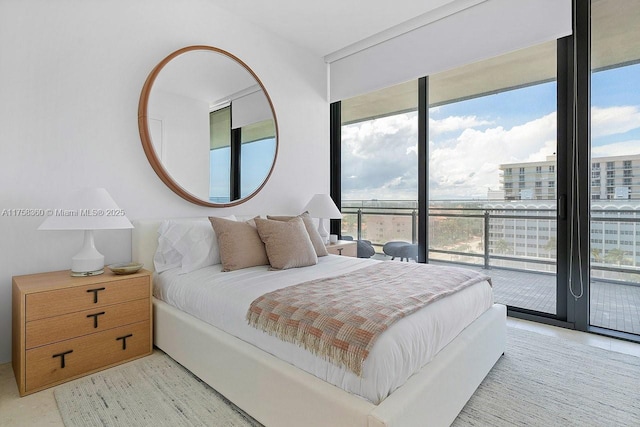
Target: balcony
(514, 242)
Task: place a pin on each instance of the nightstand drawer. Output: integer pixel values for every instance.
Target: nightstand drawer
(62, 301)
(46, 331)
(63, 360)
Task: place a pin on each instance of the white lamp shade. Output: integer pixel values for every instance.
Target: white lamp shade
(87, 209)
(322, 206)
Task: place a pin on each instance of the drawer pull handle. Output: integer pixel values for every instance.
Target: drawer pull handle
(95, 294)
(95, 318)
(124, 340)
(61, 356)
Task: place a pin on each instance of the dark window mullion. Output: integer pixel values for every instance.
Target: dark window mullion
(423, 169)
(335, 156)
(236, 147)
(563, 175)
(582, 175)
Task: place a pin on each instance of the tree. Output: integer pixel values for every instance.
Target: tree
(501, 247)
(464, 247)
(551, 245)
(616, 256)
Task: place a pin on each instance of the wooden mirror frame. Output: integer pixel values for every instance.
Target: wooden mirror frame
(147, 144)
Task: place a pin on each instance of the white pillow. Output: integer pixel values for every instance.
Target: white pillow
(166, 256)
(190, 244)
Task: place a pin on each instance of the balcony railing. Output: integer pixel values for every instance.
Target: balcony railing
(498, 233)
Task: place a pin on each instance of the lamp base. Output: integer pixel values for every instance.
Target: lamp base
(87, 262)
(324, 234)
(86, 273)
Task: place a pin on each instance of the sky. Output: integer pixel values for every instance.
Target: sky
(256, 159)
(469, 140)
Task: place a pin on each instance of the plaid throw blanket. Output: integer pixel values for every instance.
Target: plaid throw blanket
(339, 318)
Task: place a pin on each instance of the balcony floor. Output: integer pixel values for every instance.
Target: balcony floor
(613, 305)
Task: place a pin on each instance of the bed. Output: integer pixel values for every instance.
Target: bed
(276, 393)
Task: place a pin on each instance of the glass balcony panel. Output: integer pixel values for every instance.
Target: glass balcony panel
(615, 216)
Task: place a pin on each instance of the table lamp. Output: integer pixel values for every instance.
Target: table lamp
(87, 209)
(321, 206)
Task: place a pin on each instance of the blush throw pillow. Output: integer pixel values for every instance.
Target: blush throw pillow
(287, 243)
(312, 230)
(239, 243)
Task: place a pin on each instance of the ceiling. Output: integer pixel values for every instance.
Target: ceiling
(327, 26)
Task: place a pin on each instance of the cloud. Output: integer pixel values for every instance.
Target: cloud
(454, 123)
(468, 165)
(623, 148)
(614, 120)
(379, 157)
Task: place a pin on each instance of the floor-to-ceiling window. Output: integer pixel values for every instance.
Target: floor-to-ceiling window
(615, 165)
(256, 143)
(492, 180)
(258, 149)
(493, 172)
(379, 165)
(515, 183)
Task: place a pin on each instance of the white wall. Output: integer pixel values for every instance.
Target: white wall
(184, 141)
(71, 72)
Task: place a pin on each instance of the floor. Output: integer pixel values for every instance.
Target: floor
(35, 410)
(40, 409)
(614, 306)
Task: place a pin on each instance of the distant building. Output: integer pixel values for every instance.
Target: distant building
(612, 178)
(381, 221)
(522, 219)
(615, 177)
(615, 230)
(495, 194)
(528, 229)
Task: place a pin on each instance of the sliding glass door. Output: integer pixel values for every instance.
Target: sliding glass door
(615, 165)
(493, 173)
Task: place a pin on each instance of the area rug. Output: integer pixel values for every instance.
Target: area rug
(152, 391)
(547, 381)
(540, 381)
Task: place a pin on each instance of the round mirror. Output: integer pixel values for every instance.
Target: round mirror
(208, 126)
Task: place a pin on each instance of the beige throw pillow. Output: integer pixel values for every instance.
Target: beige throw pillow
(312, 230)
(287, 243)
(239, 243)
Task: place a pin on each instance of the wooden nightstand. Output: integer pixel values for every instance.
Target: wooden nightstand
(343, 247)
(66, 327)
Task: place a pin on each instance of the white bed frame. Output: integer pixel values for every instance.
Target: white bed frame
(278, 394)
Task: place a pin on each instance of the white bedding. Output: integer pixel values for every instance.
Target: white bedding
(223, 298)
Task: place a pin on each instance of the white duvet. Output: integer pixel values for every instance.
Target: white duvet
(223, 298)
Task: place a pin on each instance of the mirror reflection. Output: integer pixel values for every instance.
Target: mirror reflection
(209, 126)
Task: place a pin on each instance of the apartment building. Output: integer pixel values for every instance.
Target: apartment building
(530, 194)
(615, 177)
